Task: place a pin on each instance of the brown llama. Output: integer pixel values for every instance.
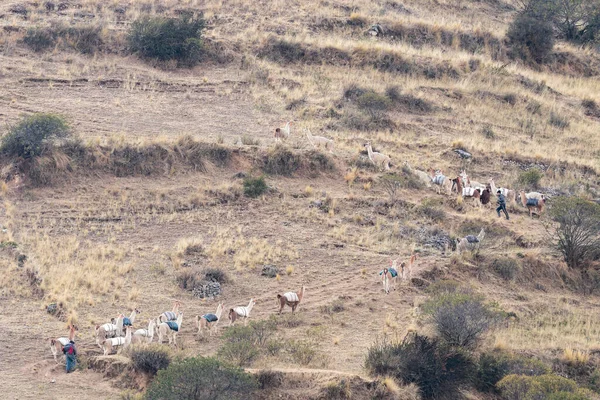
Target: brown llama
(291, 299)
(467, 191)
(533, 204)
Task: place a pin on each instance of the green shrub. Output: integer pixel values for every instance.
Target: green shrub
(507, 268)
(461, 319)
(254, 187)
(200, 378)
(150, 359)
(439, 372)
(530, 38)
(167, 39)
(494, 366)
(33, 134)
(577, 230)
(531, 178)
(521, 387)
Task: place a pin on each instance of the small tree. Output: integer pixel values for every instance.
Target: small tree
(30, 136)
(391, 184)
(530, 38)
(200, 378)
(577, 234)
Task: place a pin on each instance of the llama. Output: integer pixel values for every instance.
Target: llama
(129, 321)
(508, 193)
(318, 141)
(406, 270)
(170, 315)
(209, 321)
(292, 299)
(533, 204)
(440, 181)
(109, 344)
(241, 312)
(147, 334)
(386, 276)
(485, 196)
(422, 175)
(56, 345)
(283, 133)
(531, 195)
(170, 330)
(378, 159)
(467, 182)
(468, 191)
(110, 330)
(470, 242)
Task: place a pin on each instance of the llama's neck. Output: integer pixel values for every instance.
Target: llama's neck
(132, 316)
(370, 152)
(219, 311)
(493, 186)
(249, 306)
(301, 294)
(286, 129)
(179, 320)
(128, 335)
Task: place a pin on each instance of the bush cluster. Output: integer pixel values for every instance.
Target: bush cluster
(530, 38)
(494, 366)
(166, 39)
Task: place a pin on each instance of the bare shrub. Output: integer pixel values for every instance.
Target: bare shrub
(461, 319)
(530, 38)
(150, 359)
(577, 234)
(189, 279)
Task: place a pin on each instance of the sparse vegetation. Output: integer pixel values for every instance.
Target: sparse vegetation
(200, 379)
(541, 387)
(243, 344)
(167, 39)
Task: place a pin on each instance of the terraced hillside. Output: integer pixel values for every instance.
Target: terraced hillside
(154, 191)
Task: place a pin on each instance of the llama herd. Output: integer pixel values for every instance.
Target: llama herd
(479, 192)
(462, 184)
(119, 333)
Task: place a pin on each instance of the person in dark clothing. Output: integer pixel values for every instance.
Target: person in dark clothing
(501, 204)
(70, 351)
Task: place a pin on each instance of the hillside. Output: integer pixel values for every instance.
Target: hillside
(154, 187)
